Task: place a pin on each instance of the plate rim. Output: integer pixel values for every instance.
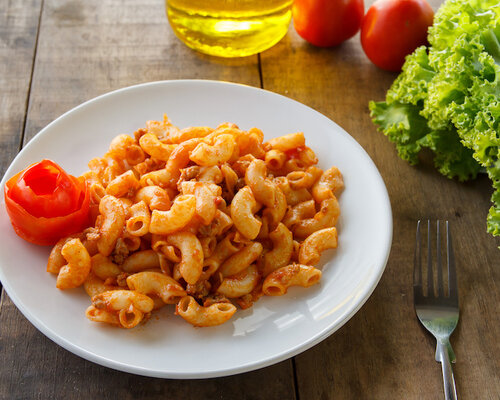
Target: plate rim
(246, 367)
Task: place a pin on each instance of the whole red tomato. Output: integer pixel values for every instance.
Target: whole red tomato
(392, 29)
(326, 23)
(45, 203)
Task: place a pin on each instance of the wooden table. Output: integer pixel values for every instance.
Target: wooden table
(56, 54)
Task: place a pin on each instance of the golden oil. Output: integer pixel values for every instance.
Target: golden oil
(229, 28)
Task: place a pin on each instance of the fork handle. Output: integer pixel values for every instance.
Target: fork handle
(450, 391)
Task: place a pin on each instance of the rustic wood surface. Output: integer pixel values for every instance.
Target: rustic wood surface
(55, 54)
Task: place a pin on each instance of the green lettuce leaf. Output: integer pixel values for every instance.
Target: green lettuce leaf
(447, 97)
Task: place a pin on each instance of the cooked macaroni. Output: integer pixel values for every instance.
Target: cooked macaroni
(200, 218)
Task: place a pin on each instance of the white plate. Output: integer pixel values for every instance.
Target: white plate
(275, 328)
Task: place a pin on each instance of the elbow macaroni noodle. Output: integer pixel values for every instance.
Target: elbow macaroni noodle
(199, 218)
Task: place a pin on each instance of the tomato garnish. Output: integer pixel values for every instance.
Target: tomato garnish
(45, 203)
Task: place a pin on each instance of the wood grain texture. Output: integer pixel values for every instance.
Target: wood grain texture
(89, 48)
(383, 352)
(18, 32)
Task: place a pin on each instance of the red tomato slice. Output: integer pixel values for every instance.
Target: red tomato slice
(45, 190)
(45, 203)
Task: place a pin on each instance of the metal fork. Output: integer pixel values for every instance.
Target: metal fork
(438, 312)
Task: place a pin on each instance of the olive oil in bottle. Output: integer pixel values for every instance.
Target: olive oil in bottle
(229, 28)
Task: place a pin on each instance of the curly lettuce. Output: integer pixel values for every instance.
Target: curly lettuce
(447, 97)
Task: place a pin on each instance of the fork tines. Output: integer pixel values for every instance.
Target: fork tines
(452, 292)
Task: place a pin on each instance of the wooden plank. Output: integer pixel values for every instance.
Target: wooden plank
(86, 49)
(383, 352)
(18, 32)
